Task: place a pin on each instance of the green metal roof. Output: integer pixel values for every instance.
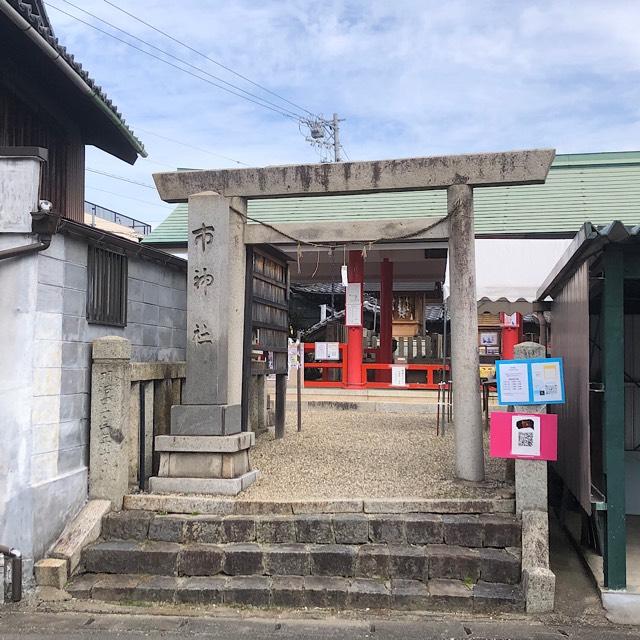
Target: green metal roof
(594, 187)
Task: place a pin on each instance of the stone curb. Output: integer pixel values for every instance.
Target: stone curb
(212, 505)
(84, 529)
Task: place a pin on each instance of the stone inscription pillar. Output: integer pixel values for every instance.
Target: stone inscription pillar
(464, 334)
(206, 451)
(108, 441)
(215, 308)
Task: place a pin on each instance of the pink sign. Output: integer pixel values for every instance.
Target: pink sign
(531, 436)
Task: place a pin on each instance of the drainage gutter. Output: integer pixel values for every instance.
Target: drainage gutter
(44, 224)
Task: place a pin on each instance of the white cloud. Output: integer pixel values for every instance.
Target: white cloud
(411, 77)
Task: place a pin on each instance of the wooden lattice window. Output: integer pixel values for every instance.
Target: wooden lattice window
(106, 287)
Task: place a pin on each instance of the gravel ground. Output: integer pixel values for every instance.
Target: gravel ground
(350, 454)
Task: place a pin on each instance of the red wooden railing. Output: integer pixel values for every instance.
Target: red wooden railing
(430, 371)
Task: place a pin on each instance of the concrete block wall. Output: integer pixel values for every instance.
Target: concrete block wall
(62, 368)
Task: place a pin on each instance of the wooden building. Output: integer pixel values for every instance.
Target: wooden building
(48, 100)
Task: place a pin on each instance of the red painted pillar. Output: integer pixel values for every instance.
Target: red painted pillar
(354, 334)
(386, 318)
(511, 333)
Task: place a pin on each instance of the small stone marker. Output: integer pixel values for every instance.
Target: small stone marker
(110, 391)
(531, 503)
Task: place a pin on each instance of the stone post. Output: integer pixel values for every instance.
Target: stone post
(206, 451)
(257, 403)
(110, 391)
(464, 335)
(531, 475)
(538, 581)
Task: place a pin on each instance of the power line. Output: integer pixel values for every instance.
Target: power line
(123, 178)
(206, 57)
(190, 146)
(279, 111)
(160, 164)
(146, 131)
(113, 193)
(181, 60)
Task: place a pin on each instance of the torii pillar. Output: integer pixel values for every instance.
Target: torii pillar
(463, 308)
(459, 175)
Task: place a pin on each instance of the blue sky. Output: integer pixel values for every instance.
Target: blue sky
(410, 77)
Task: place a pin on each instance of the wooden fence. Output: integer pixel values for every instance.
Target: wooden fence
(155, 387)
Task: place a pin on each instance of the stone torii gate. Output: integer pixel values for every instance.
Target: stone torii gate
(206, 451)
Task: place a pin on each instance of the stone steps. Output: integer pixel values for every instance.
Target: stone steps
(411, 560)
(299, 591)
(383, 561)
(474, 531)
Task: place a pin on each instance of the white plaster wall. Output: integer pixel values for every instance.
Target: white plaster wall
(45, 360)
(62, 368)
(18, 295)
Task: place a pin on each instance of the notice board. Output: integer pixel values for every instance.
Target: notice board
(533, 381)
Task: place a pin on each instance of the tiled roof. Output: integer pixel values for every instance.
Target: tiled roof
(34, 12)
(596, 187)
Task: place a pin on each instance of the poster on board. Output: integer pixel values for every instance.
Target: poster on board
(534, 381)
(513, 382)
(333, 351)
(320, 351)
(398, 376)
(547, 383)
(353, 296)
(525, 436)
(326, 351)
(293, 354)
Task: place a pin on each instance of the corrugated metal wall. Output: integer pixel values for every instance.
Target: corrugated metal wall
(62, 180)
(570, 340)
(631, 389)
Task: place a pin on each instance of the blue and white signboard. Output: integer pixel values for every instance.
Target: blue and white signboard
(535, 381)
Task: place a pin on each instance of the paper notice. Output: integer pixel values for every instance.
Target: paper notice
(320, 351)
(547, 385)
(398, 376)
(513, 383)
(354, 305)
(525, 435)
(333, 351)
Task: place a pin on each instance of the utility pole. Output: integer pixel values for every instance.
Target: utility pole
(336, 138)
(324, 135)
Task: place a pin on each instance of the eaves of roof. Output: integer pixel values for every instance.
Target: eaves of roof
(32, 21)
(588, 242)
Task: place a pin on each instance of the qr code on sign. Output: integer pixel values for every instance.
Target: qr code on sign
(525, 439)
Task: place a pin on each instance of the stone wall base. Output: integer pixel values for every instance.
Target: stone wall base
(204, 464)
(211, 486)
(205, 419)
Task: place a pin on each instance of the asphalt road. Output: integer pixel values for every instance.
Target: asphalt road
(86, 626)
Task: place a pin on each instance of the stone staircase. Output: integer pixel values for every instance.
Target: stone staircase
(415, 561)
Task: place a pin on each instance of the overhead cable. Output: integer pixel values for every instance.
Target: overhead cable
(114, 193)
(181, 60)
(206, 57)
(279, 111)
(123, 178)
(190, 146)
